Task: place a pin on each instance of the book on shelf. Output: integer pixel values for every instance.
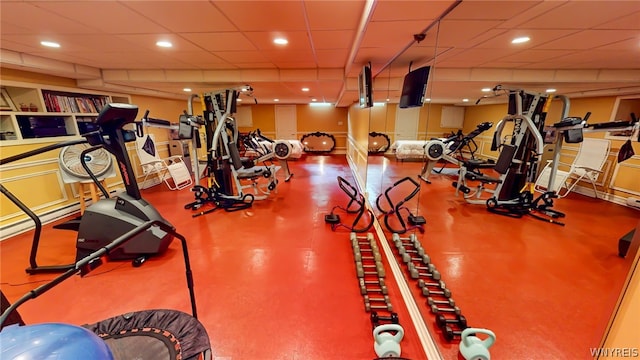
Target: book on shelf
(73, 103)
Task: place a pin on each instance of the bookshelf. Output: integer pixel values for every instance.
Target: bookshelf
(32, 113)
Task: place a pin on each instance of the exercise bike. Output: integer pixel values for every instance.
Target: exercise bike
(111, 217)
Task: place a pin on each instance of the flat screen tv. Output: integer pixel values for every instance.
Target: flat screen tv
(414, 88)
(365, 88)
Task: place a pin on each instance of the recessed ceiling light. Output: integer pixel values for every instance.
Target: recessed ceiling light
(388, 100)
(280, 41)
(276, 100)
(520, 40)
(427, 99)
(465, 100)
(305, 89)
(50, 44)
(550, 90)
(486, 89)
(187, 89)
(238, 99)
(164, 44)
(314, 99)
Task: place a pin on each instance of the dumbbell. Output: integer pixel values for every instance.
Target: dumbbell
(430, 267)
(373, 249)
(392, 318)
(459, 320)
(450, 334)
(450, 302)
(407, 258)
(357, 240)
(376, 257)
(364, 290)
(354, 236)
(444, 292)
(379, 282)
(439, 284)
(361, 272)
(385, 301)
(435, 309)
(403, 250)
(415, 273)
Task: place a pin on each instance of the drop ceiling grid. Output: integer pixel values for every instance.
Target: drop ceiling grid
(41, 21)
(334, 15)
(582, 14)
(93, 14)
(272, 16)
(201, 17)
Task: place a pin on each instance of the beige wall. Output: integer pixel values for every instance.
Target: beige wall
(358, 141)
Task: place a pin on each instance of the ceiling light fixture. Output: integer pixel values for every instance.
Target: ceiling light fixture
(486, 89)
(276, 100)
(427, 99)
(50, 44)
(314, 99)
(164, 44)
(550, 90)
(520, 40)
(280, 41)
(305, 89)
(465, 100)
(187, 89)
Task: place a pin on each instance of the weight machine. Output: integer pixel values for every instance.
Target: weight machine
(516, 165)
(228, 175)
(451, 149)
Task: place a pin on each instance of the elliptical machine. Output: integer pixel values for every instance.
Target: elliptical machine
(111, 217)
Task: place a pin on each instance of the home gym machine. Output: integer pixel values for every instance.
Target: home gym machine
(517, 163)
(111, 217)
(228, 175)
(454, 149)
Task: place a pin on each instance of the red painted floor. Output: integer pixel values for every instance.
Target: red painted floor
(274, 282)
(546, 291)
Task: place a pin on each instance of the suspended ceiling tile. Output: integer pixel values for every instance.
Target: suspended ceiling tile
(301, 56)
(489, 10)
(334, 15)
(589, 39)
(93, 14)
(387, 10)
(41, 20)
(148, 42)
(242, 57)
(221, 41)
(534, 55)
(201, 16)
(538, 37)
(264, 15)
(333, 58)
(629, 22)
(632, 45)
(455, 32)
(391, 35)
(332, 39)
(298, 40)
(582, 14)
(199, 58)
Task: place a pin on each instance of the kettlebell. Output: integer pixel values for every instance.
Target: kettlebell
(472, 348)
(386, 344)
